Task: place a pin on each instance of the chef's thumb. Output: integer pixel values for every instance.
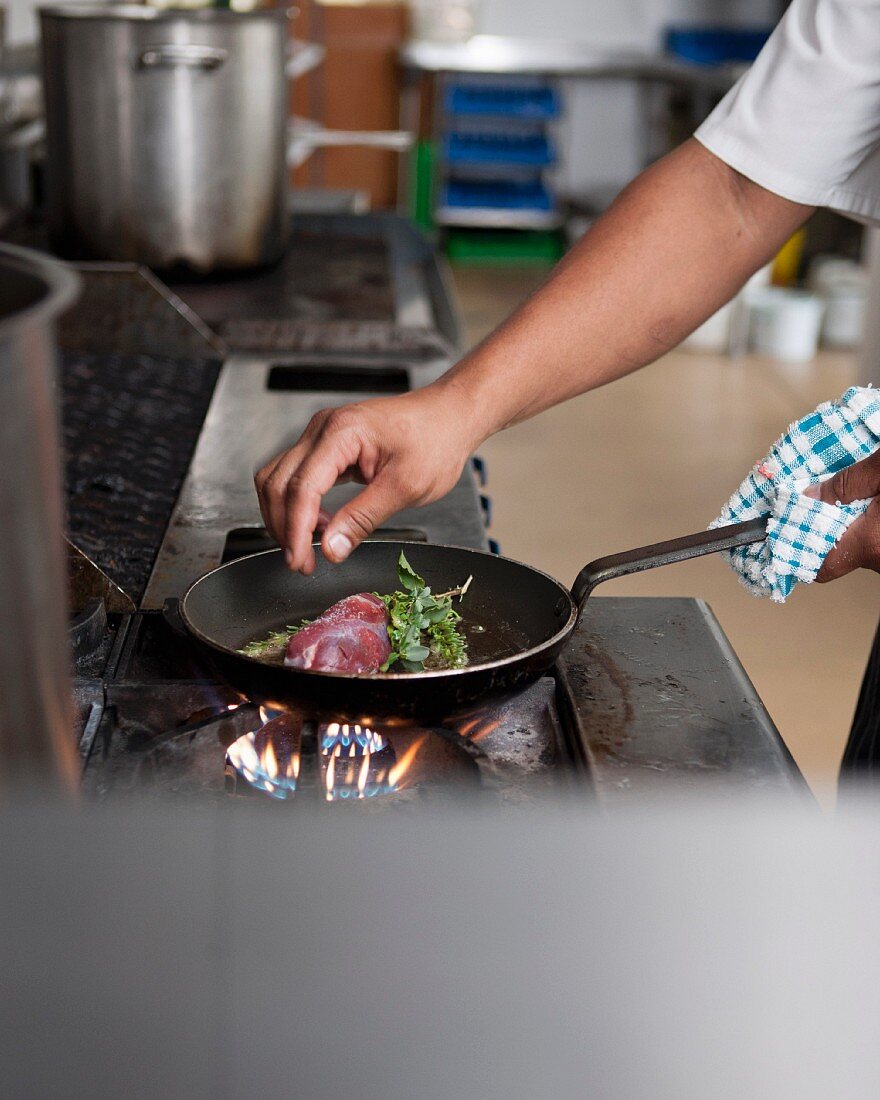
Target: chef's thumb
(856, 482)
(359, 518)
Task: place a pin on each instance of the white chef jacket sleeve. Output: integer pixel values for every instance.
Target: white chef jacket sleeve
(804, 121)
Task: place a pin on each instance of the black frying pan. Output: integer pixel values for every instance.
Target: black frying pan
(517, 619)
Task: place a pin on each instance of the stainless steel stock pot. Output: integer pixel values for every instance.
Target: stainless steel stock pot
(167, 133)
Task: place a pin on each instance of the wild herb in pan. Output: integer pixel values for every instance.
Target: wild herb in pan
(423, 630)
(274, 644)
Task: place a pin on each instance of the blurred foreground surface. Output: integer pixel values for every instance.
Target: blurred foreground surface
(683, 951)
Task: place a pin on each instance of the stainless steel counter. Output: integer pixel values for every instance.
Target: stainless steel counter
(662, 702)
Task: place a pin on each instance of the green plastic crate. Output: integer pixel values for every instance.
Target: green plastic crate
(515, 246)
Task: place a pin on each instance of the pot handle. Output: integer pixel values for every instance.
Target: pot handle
(666, 553)
(183, 55)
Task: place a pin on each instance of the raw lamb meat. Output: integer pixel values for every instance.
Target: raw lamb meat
(351, 636)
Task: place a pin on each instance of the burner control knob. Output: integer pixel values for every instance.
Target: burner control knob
(480, 469)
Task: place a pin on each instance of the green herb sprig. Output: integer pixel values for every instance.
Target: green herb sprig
(274, 643)
(422, 624)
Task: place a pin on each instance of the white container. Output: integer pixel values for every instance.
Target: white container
(785, 324)
(828, 272)
(843, 284)
(726, 330)
(844, 317)
(713, 335)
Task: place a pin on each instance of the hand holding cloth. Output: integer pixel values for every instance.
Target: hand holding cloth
(805, 524)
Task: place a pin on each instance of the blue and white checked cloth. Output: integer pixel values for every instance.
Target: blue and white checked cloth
(801, 531)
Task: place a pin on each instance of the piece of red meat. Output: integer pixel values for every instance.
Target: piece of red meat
(351, 636)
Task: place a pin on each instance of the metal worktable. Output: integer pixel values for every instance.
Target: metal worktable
(501, 54)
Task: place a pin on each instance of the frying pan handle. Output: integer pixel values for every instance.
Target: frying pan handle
(666, 553)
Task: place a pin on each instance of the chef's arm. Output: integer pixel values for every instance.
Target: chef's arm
(676, 244)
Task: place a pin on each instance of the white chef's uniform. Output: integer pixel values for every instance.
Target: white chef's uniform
(804, 122)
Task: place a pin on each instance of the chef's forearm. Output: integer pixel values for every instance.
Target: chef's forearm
(676, 244)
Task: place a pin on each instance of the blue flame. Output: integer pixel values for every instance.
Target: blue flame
(344, 739)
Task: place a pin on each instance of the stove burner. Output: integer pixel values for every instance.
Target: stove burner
(269, 758)
(347, 762)
(356, 764)
(350, 740)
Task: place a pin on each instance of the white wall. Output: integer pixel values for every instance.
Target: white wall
(634, 23)
(21, 19)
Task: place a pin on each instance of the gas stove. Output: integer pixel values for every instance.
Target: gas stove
(157, 721)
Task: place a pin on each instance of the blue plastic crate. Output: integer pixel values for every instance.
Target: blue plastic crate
(538, 101)
(716, 45)
(499, 194)
(529, 150)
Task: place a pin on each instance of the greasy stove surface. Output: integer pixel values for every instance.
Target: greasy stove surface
(123, 309)
(352, 286)
(320, 278)
(137, 371)
(659, 695)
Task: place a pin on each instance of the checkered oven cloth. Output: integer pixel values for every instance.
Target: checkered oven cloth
(801, 531)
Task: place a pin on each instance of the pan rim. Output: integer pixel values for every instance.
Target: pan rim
(389, 677)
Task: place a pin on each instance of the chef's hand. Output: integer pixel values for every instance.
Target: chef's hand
(860, 546)
(406, 450)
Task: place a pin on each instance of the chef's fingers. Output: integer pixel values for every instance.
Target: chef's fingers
(261, 480)
(859, 548)
(271, 481)
(333, 454)
(856, 482)
(360, 517)
(274, 493)
(272, 496)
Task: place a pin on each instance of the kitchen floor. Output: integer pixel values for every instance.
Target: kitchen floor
(656, 455)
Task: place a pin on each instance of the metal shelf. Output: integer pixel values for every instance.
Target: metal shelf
(500, 54)
(304, 136)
